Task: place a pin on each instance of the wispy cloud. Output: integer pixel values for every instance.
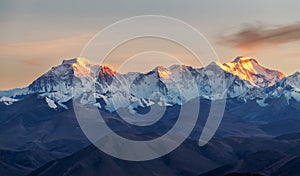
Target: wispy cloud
(254, 36)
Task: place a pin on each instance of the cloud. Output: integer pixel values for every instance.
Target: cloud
(253, 36)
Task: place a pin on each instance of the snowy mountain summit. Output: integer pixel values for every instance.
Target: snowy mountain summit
(244, 79)
(247, 68)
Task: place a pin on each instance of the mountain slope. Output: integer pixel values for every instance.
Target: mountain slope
(250, 155)
(30, 126)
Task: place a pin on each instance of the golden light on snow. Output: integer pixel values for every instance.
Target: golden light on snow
(80, 67)
(246, 67)
(163, 72)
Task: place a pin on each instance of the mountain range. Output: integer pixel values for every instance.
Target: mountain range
(259, 132)
(244, 79)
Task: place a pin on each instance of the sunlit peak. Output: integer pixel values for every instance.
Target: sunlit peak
(81, 67)
(105, 69)
(82, 61)
(247, 68)
(163, 72)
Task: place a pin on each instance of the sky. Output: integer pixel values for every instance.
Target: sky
(36, 35)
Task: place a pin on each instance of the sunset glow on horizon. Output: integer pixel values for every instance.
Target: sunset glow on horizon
(33, 38)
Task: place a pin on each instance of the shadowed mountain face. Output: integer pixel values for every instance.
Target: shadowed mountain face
(231, 156)
(277, 161)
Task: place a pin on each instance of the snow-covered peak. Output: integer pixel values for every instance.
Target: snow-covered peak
(214, 66)
(294, 81)
(247, 68)
(76, 60)
(106, 71)
(106, 75)
(244, 59)
(162, 72)
(81, 66)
